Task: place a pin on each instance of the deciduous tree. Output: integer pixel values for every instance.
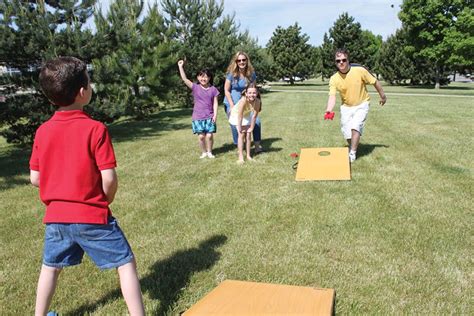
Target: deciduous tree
(441, 32)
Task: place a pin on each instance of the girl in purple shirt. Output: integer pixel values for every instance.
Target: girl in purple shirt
(205, 108)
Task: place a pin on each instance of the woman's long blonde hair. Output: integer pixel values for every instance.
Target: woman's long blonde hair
(233, 67)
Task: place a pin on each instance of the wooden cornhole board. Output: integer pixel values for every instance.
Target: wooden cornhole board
(239, 298)
(323, 164)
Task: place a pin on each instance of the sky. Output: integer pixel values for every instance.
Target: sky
(315, 17)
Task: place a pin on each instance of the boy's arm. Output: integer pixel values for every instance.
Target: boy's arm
(35, 178)
(109, 183)
(214, 117)
(188, 82)
(383, 97)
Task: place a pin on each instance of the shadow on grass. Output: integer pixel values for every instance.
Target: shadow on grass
(266, 144)
(150, 127)
(282, 84)
(367, 149)
(442, 88)
(14, 165)
(168, 278)
(224, 148)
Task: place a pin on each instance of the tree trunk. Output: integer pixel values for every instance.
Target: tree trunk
(437, 85)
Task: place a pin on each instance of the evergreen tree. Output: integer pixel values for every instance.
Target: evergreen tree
(205, 38)
(31, 32)
(317, 61)
(327, 57)
(137, 67)
(362, 45)
(291, 53)
(347, 34)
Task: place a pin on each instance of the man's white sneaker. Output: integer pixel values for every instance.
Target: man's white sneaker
(203, 155)
(352, 157)
(210, 155)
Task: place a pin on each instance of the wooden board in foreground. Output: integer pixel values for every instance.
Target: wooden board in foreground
(239, 298)
(323, 164)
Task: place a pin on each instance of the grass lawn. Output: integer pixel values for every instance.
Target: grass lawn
(396, 239)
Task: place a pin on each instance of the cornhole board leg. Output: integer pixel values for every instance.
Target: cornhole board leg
(239, 298)
(323, 164)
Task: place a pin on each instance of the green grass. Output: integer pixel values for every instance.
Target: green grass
(317, 85)
(396, 239)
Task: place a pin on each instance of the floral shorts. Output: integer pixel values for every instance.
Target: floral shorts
(204, 126)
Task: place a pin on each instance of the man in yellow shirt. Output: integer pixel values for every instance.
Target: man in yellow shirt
(350, 81)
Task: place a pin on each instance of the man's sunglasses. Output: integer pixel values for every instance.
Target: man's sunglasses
(338, 61)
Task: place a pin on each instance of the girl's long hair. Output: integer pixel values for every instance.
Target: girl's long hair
(233, 67)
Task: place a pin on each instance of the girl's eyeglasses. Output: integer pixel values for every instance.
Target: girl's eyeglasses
(241, 60)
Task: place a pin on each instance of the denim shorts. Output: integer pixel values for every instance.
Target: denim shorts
(206, 126)
(106, 245)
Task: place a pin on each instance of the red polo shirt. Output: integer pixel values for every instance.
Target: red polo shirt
(69, 151)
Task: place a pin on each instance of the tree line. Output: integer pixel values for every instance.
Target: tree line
(133, 51)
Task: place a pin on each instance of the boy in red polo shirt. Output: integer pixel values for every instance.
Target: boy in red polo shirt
(73, 164)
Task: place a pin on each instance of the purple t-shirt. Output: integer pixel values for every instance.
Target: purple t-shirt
(203, 102)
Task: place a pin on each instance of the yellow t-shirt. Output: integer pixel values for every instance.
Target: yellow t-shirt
(351, 85)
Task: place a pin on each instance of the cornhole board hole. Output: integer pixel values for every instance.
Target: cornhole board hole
(240, 298)
(323, 164)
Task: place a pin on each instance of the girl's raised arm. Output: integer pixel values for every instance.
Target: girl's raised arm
(188, 82)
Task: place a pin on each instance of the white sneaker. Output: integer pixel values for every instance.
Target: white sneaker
(210, 155)
(352, 157)
(203, 155)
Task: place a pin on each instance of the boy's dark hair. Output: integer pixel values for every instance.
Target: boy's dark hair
(208, 73)
(62, 78)
(342, 51)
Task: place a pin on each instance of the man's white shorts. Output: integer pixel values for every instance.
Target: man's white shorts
(353, 117)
